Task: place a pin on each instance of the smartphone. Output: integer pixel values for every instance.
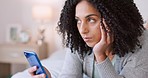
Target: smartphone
(34, 61)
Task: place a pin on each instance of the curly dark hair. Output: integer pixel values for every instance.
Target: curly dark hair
(121, 16)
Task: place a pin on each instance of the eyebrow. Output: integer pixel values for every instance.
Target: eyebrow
(91, 15)
(88, 15)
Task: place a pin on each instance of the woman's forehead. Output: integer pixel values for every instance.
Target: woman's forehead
(85, 7)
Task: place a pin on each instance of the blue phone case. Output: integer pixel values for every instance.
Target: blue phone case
(34, 61)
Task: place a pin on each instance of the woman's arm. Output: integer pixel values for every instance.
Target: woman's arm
(137, 68)
(134, 67)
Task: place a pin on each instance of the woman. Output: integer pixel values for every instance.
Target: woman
(104, 38)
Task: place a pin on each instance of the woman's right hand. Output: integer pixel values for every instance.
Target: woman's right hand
(104, 46)
(31, 71)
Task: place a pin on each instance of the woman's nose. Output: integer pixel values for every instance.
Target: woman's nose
(84, 28)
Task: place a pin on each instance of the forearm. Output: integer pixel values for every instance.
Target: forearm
(107, 70)
(100, 57)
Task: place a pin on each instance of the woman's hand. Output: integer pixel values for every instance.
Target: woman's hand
(103, 47)
(33, 69)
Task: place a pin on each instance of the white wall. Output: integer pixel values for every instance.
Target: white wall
(143, 8)
(19, 12)
(9, 13)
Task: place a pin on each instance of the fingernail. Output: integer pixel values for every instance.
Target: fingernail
(102, 27)
(35, 67)
(43, 75)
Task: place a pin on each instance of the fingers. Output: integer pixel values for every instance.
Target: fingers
(106, 33)
(106, 27)
(47, 72)
(39, 76)
(103, 31)
(32, 70)
(109, 38)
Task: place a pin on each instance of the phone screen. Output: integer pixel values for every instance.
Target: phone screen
(34, 61)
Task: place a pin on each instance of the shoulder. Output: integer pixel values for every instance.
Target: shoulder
(143, 52)
(140, 56)
(144, 42)
(75, 56)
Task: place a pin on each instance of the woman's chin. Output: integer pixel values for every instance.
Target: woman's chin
(90, 44)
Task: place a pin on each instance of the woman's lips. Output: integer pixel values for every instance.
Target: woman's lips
(87, 39)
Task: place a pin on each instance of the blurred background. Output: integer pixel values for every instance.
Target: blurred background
(31, 25)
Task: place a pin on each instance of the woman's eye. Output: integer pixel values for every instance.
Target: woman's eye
(91, 20)
(78, 21)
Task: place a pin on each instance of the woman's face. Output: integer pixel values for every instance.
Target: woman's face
(88, 23)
